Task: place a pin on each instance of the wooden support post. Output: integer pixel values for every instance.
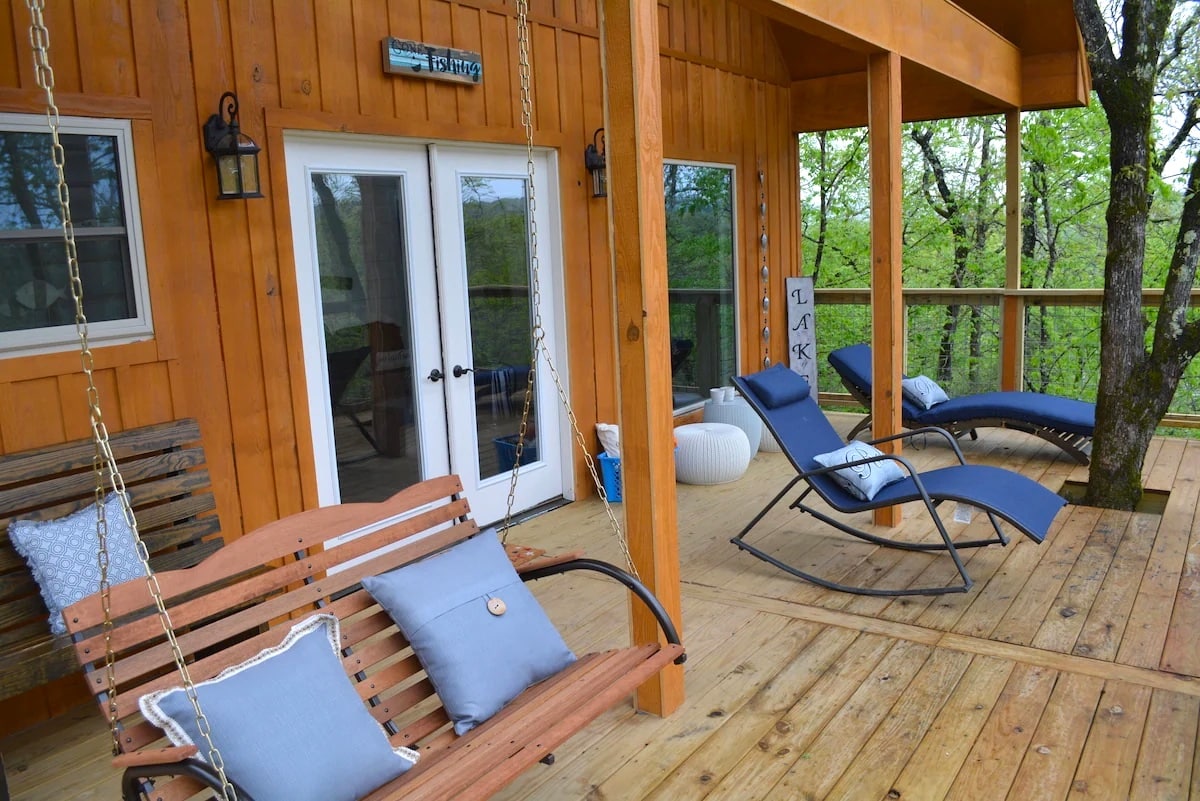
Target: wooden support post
(637, 230)
(1012, 322)
(887, 300)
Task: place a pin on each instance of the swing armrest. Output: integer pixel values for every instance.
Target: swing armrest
(612, 571)
(155, 756)
(549, 560)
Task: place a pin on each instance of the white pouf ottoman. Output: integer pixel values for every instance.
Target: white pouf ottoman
(737, 412)
(710, 453)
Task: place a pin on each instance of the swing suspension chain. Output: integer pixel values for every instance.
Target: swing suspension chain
(104, 462)
(539, 345)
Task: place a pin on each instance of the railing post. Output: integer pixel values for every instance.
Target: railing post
(887, 301)
(1012, 308)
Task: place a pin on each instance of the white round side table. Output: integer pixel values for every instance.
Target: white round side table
(737, 412)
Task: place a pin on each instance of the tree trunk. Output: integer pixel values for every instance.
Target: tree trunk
(1134, 390)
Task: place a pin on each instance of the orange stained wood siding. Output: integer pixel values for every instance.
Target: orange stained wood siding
(226, 347)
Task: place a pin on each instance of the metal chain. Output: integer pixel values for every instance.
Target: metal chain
(104, 462)
(539, 345)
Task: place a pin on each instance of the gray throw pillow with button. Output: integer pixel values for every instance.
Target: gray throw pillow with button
(480, 634)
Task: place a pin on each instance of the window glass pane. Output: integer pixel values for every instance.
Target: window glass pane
(29, 182)
(700, 270)
(35, 289)
(496, 247)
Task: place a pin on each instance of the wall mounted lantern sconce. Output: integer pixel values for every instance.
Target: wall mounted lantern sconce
(235, 153)
(593, 159)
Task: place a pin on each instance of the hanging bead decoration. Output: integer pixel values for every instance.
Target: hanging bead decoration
(764, 270)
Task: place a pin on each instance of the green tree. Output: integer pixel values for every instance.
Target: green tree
(1143, 64)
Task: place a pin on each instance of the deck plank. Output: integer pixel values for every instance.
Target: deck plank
(746, 728)
(1168, 750)
(941, 753)
(873, 772)
(1048, 766)
(1109, 757)
(1149, 622)
(993, 761)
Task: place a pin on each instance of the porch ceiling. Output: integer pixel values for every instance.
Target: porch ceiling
(959, 59)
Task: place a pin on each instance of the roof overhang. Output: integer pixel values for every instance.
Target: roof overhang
(958, 59)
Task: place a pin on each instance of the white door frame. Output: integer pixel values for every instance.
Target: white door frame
(309, 152)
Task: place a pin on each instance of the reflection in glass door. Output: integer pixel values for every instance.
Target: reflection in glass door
(496, 255)
(363, 272)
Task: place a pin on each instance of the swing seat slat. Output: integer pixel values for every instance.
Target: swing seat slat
(246, 597)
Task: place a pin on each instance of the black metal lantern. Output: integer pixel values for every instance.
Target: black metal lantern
(235, 153)
(593, 159)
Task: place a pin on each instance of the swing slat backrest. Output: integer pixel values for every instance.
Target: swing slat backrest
(164, 470)
(246, 596)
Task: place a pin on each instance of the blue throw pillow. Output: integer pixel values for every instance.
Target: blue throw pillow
(778, 386)
(62, 555)
(478, 631)
(863, 481)
(923, 391)
(288, 722)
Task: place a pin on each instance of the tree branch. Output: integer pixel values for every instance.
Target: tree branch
(1190, 117)
(1177, 44)
(1095, 37)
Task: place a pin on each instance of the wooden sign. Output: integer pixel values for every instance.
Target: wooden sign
(416, 59)
(802, 328)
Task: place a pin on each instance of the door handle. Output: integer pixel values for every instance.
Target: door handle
(436, 375)
(460, 371)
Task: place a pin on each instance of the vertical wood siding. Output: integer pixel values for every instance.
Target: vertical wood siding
(221, 273)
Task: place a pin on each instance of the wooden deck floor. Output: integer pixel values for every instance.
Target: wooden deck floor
(1068, 672)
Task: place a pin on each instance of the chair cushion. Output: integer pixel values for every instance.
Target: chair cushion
(62, 555)
(778, 386)
(288, 722)
(923, 391)
(863, 481)
(478, 631)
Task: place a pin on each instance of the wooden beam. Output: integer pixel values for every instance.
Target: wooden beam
(936, 34)
(1055, 80)
(887, 300)
(840, 101)
(637, 230)
(1012, 322)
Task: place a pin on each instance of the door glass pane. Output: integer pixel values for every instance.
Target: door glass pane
(362, 260)
(700, 269)
(496, 247)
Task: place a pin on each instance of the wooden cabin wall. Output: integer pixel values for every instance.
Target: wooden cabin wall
(226, 347)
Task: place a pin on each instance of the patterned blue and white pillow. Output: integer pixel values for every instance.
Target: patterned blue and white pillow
(62, 555)
(865, 480)
(923, 391)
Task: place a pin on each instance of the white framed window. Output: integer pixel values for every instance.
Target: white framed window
(37, 313)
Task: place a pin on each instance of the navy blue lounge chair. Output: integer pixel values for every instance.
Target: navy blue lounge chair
(1066, 422)
(781, 397)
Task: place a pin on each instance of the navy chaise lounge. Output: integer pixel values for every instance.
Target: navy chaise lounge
(1065, 422)
(783, 400)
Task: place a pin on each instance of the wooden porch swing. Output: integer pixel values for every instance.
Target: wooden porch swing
(187, 626)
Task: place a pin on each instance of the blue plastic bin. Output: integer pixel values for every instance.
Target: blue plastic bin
(610, 473)
(506, 453)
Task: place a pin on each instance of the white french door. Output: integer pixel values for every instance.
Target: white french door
(413, 266)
